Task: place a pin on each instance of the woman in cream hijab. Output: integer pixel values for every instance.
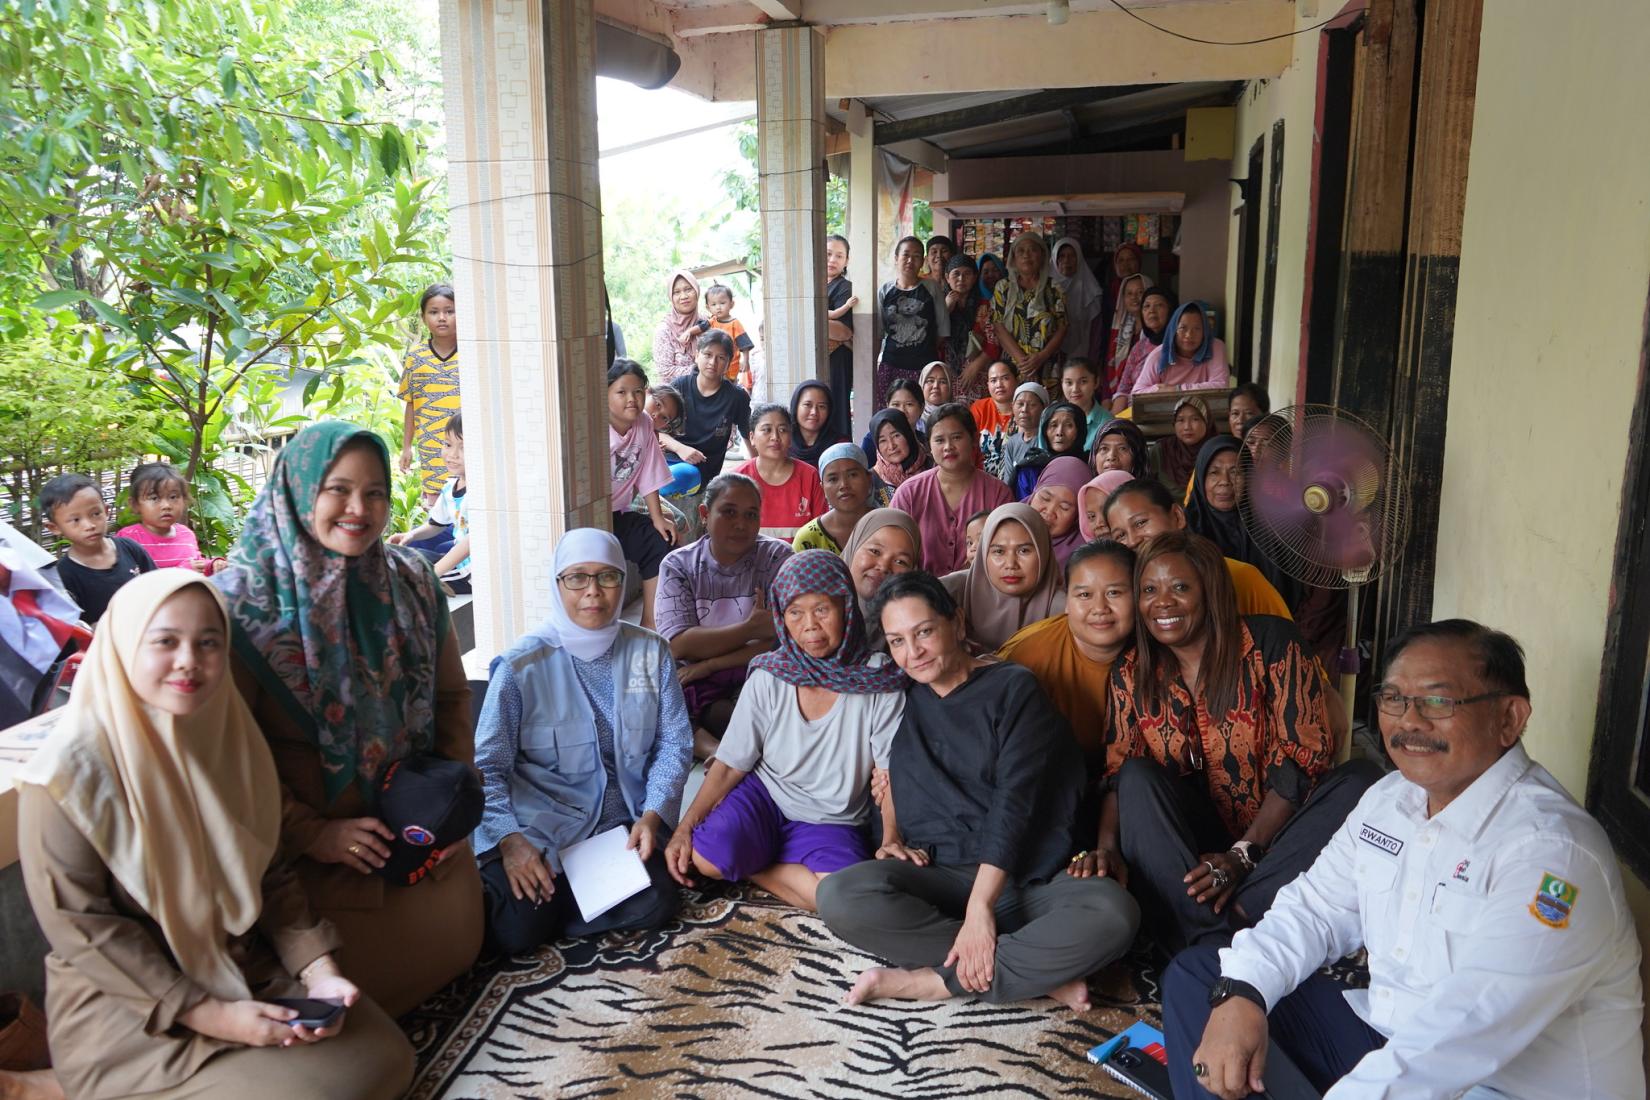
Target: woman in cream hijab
(149, 825)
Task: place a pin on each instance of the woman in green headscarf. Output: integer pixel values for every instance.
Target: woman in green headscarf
(344, 650)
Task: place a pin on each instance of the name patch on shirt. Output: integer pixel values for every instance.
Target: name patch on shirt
(1553, 901)
(1391, 845)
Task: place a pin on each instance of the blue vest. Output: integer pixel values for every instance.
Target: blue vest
(558, 781)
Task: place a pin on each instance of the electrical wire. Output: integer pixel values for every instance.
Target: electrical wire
(1118, 4)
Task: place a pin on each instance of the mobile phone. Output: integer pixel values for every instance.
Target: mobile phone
(312, 1013)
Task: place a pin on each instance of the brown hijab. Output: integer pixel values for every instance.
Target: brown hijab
(991, 617)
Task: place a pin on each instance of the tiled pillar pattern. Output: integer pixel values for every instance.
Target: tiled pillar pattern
(790, 159)
(525, 213)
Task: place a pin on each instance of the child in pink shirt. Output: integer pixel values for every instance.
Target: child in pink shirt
(639, 469)
(160, 497)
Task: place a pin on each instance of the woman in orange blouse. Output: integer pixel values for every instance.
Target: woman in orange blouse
(1219, 752)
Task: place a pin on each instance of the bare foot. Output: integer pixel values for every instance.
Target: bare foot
(1074, 995)
(898, 985)
(37, 1085)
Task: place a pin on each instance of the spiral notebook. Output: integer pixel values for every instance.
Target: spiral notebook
(1136, 1057)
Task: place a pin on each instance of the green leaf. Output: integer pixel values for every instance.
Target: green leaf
(109, 315)
(389, 151)
(226, 76)
(57, 299)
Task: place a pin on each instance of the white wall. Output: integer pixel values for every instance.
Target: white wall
(1549, 321)
(1293, 98)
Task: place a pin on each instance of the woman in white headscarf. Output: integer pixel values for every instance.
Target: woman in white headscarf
(584, 730)
(149, 824)
(1085, 305)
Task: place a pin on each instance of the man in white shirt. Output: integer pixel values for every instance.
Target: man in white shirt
(1503, 960)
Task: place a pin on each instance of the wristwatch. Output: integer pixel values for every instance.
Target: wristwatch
(1225, 989)
(1248, 853)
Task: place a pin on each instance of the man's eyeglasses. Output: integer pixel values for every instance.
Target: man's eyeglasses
(1430, 707)
(578, 582)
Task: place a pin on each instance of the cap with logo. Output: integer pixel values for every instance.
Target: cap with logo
(430, 803)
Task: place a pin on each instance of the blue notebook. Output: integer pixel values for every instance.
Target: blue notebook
(1137, 1058)
(1138, 1034)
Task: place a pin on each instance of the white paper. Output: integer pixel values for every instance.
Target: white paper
(603, 872)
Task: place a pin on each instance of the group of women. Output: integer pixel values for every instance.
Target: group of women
(206, 833)
(1041, 308)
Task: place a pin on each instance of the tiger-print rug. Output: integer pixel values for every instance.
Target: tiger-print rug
(741, 996)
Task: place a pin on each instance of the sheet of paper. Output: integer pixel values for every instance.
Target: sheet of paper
(603, 872)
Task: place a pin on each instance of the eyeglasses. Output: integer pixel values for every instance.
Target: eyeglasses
(578, 582)
(1430, 707)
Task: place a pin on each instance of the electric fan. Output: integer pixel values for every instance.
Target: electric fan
(1327, 503)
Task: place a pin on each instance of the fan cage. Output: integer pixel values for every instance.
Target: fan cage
(1324, 498)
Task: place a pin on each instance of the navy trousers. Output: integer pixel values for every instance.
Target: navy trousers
(1316, 1037)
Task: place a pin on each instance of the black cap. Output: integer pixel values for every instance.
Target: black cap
(429, 803)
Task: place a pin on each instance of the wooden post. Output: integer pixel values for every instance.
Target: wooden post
(1446, 93)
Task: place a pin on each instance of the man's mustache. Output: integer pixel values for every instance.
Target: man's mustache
(1417, 741)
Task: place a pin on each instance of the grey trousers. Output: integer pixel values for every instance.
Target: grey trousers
(1047, 933)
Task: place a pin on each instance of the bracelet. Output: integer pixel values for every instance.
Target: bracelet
(303, 975)
(1240, 851)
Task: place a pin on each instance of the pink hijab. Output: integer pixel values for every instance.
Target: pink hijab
(1104, 485)
(1071, 474)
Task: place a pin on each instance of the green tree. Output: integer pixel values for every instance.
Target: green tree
(201, 187)
(58, 414)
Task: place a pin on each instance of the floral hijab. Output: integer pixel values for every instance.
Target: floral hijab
(347, 646)
(850, 669)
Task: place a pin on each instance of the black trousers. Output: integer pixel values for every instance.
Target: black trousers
(516, 926)
(841, 371)
(1165, 821)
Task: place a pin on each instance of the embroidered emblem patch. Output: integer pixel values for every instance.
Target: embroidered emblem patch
(1553, 901)
(1391, 845)
(415, 834)
(1461, 870)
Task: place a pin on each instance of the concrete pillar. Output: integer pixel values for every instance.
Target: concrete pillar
(862, 261)
(527, 265)
(790, 167)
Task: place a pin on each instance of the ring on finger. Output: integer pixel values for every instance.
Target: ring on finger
(1212, 869)
(1199, 1069)
(1221, 878)
(353, 849)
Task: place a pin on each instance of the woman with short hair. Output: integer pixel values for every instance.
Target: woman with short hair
(984, 780)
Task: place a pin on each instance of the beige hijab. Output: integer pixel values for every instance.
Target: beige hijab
(991, 617)
(186, 812)
(869, 524)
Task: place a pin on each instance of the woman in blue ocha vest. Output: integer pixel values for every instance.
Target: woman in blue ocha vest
(583, 729)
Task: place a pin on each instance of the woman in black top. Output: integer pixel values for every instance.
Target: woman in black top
(985, 778)
(711, 405)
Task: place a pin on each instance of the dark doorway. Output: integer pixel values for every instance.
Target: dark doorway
(1248, 262)
(1274, 203)
(1326, 273)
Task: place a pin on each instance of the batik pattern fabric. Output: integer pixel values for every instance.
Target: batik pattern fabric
(347, 645)
(1275, 737)
(430, 383)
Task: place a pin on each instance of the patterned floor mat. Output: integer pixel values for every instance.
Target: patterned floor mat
(741, 997)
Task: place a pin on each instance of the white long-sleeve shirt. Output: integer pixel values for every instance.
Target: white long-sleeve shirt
(1501, 949)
